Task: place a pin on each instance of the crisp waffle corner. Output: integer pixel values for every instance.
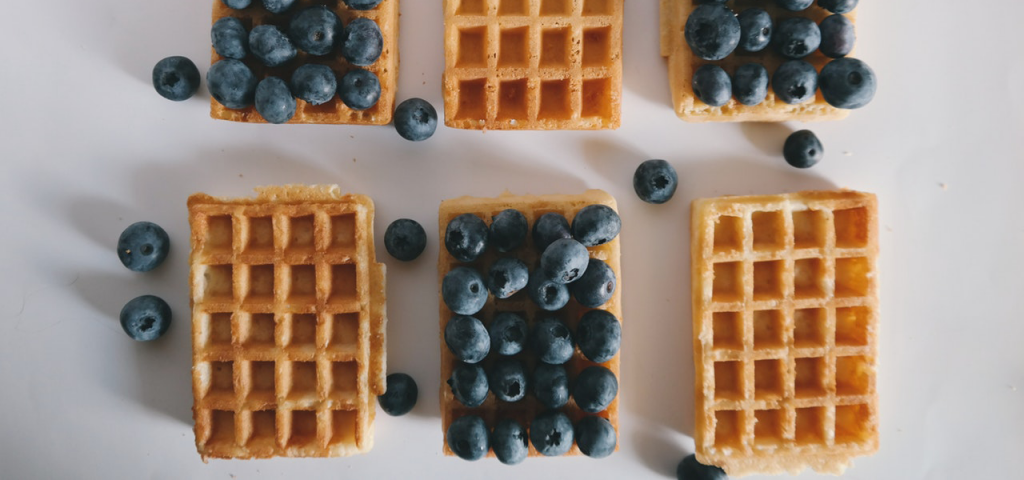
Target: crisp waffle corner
(785, 330)
(334, 111)
(533, 64)
(532, 207)
(682, 63)
(288, 323)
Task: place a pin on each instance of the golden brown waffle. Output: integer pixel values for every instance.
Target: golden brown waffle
(785, 330)
(533, 64)
(288, 323)
(532, 207)
(334, 111)
(682, 63)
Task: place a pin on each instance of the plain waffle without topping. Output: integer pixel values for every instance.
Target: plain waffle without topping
(288, 323)
(533, 64)
(532, 207)
(682, 63)
(785, 329)
(335, 111)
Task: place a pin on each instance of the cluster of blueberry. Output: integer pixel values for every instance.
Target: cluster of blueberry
(714, 31)
(565, 268)
(142, 247)
(315, 30)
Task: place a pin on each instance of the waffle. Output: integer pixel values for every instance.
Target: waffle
(532, 207)
(335, 111)
(682, 63)
(785, 327)
(533, 64)
(288, 323)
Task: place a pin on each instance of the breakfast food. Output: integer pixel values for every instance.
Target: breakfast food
(401, 395)
(357, 44)
(176, 78)
(785, 324)
(655, 181)
(533, 64)
(415, 119)
(720, 63)
(288, 323)
(143, 246)
(146, 318)
(508, 360)
(803, 149)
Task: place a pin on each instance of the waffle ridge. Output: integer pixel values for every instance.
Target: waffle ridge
(682, 63)
(532, 207)
(785, 329)
(533, 64)
(335, 111)
(288, 323)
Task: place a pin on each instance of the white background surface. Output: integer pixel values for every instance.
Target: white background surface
(87, 147)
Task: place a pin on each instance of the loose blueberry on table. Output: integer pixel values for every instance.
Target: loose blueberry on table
(803, 149)
(400, 396)
(405, 239)
(655, 181)
(690, 469)
(176, 78)
(143, 246)
(415, 119)
(146, 318)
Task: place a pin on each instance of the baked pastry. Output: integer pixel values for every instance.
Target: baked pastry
(288, 323)
(785, 330)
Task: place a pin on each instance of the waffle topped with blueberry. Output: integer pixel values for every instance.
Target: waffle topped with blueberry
(763, 61)
(530, 319)
(533, 64)
(785, 331)
(304, 61)
(288, 323)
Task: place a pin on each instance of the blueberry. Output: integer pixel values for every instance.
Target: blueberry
(508, 380)
(547, 294)
(362, 42)
(464, 291)
(508, 230)
(838, 36)
(551, 433)
(712, 85)
(548, 228)
(755, 29)
(795, 82)
(237, 4)
(405, 239)
(176, 78)
(271, 46)
(467, 437)
(469, 384)
(143, 246)
(509, 442)
(596, 286)
(797, 37)
(359, 89)
(508, 333)
(712, 31)
(467, 338)
(655, 181)
(274, 101)
(277, 6)
(551, 385)
(596, 437)
(316, 84)
(400, 396)
(691, 469)
(466, 237)
(507, 276)
(599, 335)
(750, 84)
(564, 261)
(596, 225)
(848, 83)
(316, 30)
(838, 6)
(231, 83)
(552, 341)
(794, 5)
(803, 149)
(362, 4)
(229, 38)
(146, 318)
(595, 389)
(415, 119)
